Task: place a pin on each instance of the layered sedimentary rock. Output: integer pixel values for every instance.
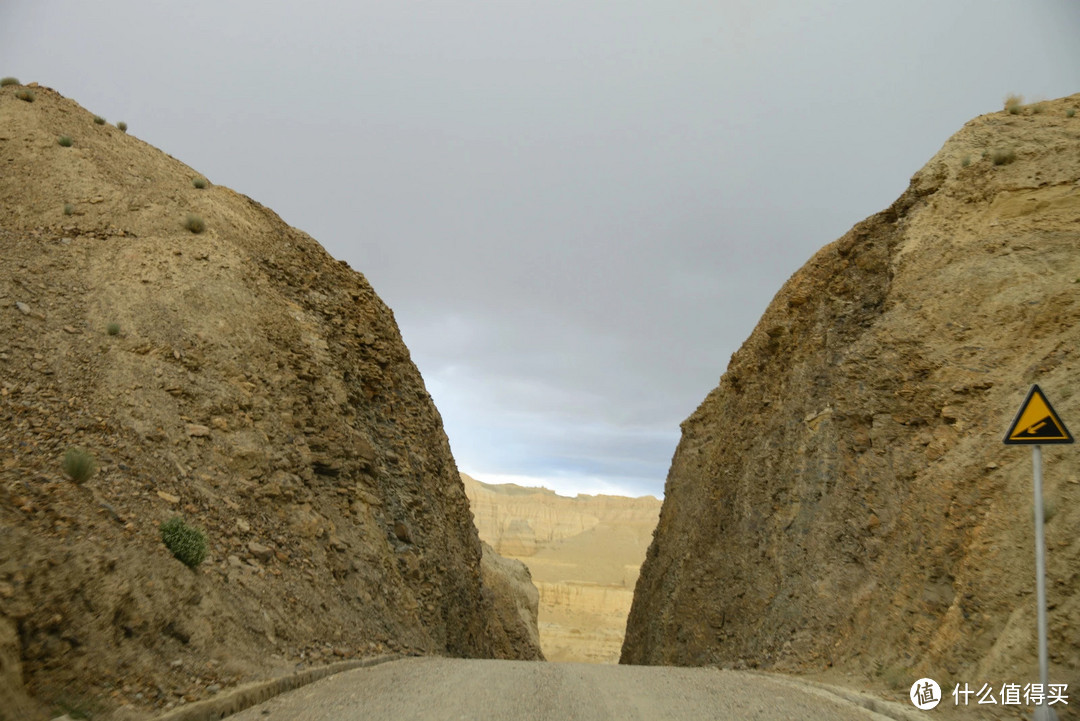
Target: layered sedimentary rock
(843, 498)
(238, 377)
(583, 554)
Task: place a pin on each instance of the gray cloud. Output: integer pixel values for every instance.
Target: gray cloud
(577, 210)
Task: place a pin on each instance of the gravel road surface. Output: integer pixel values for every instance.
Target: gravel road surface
(442, 689)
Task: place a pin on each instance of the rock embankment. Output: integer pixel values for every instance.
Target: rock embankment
(843, 497)
(238, 377)
(516, 602)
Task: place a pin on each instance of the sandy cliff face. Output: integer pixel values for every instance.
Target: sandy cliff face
(843, 497)
(583, 554)
(256, 387)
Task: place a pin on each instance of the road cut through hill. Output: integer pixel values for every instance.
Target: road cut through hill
(430, 689)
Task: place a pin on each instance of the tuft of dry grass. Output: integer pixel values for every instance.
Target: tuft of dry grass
(65, 141)
(98, 120)
(1014, 103)
(68, 208)
(4, 82)
(1003, 156)
(78, 465)
(194, 223)
(121, 126)
(25, 94)
(199, 183)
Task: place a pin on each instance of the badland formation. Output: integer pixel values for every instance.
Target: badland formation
(583, 554)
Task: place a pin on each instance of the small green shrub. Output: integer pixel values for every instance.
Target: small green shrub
(4, 82)
(113, 329)
(98, 120)
(68, 208)
(1013, 104)
(78, 465)
(194, 223)
(1037, 108)
(1003, 156)
(25, 94)
(1070, 112)
(186, 542)
(199, 183)
(121, 126)
(65, 140)
(966, 161)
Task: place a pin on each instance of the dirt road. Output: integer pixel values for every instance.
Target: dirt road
(439, 689)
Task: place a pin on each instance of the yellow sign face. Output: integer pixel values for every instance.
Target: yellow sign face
(1037, 422)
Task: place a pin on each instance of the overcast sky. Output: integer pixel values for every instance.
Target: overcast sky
(578, 210)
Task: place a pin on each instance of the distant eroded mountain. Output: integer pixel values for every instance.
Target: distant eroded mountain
(583, 554)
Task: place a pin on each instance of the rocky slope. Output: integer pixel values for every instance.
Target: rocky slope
(516, 602)
(583, 554)
(843, 497)
(252, 385)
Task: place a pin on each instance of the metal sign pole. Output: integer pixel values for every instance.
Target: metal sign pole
(1042, 711)
(1037, 423)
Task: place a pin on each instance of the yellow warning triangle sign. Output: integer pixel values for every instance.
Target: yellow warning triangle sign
(1037, 423)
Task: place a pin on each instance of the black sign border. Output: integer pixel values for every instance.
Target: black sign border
(1036, 441)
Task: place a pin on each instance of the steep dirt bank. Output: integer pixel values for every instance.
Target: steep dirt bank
(252, 385)
(843, 498)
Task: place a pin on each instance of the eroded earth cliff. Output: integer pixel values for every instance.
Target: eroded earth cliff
(240, 378)
(583, 554)
(843, 498)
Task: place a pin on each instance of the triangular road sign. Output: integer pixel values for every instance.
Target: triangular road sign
(1037, 423)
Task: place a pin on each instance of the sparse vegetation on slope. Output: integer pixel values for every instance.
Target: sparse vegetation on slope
(185, 542)
(194, 223)
(1003, 156)
(78, 465)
